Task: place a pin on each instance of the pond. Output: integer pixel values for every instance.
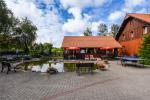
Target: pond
(44, 66)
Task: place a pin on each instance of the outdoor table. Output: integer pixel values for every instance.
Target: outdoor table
(132, 59)
(84, 65)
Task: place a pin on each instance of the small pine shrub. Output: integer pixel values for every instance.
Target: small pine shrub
(145, 50)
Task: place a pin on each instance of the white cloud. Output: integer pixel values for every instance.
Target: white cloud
(75, 3)
(74, 26)
(128, 7)
(49, 25)
(115, 16)
(143, 10)
(80, 21)
(94, 27)
(130, 4)
(76, 12)
(98, 3)
(83, 3)
(49, 2)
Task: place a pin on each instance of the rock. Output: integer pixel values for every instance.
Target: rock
(52, 70)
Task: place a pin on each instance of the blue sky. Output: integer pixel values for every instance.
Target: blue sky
(58, 18)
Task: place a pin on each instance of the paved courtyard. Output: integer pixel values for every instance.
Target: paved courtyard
(119, 83)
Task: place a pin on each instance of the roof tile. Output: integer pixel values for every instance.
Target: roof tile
(144, 17)
(90, 41)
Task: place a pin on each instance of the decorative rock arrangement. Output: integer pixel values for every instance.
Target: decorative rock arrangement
(52, 70)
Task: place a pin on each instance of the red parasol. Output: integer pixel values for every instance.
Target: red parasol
(73, 48)
(107, 48)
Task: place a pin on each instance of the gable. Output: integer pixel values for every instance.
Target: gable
(131, 24)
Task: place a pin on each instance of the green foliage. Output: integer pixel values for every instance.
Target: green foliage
(88, 32)
(57, 51)
(47, 48)
(26, 34)
(145, 50)
(40, 49)
(102, 28)
(6, 19)
(114, 29)
(13, 32)
(7, 22)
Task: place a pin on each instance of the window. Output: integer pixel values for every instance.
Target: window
(132, 34)
(130, 22)
(123, 37)
(145, 30)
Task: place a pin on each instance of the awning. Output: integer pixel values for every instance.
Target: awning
(72, 48)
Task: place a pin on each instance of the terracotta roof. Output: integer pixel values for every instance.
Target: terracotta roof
(143, 17)
(90, 42)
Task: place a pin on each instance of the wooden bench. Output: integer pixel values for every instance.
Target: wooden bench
(84, 65)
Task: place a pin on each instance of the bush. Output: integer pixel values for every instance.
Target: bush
(145, 50)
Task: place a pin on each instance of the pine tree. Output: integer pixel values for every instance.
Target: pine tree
(114, 29)
(87, 32)
(103, 30)
(145, 50)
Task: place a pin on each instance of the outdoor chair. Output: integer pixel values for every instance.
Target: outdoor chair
(86, 57)
(92, 57)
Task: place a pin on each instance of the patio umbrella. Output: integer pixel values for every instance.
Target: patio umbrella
(107, 48)
(73, 48)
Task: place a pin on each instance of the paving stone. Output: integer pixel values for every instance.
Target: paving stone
(119, 83)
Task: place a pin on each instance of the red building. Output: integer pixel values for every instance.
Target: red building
(79, 47)
(132, 31)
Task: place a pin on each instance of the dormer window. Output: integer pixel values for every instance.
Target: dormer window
(145, 30)
(132, 34)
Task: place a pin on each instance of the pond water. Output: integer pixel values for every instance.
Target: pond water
(45, 66)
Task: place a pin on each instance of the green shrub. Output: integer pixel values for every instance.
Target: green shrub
(145, 50)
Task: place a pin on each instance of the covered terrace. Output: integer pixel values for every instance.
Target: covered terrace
(84, 47)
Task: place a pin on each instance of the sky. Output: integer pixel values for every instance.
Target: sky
(58, 18)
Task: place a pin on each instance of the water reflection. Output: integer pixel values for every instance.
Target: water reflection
(58, 66)
(45, 67)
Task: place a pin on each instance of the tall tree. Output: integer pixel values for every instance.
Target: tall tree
(25, 32)
(13, 31)
(7, 22)
(6, 19)
(114, 29)
(102, 28)
(88, 32)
